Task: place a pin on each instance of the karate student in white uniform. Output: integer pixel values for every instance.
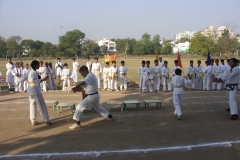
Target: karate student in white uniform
(59, 67)
(161, 65)
(17, 75)
(48, 73)
(90, 86)
(42, 72)
(9, 75)
(140, 71)
(167, 83)
(239, 76)
(223, 69)
(35, 95)
(207, 70)
(123, 76)
(175, 67)
(75, 70)
(21, 66)
(97, 70)
(231, 77)
(106, 79)
(66, 76)
(199, 76)
(157, 73)
(89, 64)
(216, 72)
(53, 76)
(113, 75)
(25, 83)
(192, 74)
(178, 82)
(148, 78)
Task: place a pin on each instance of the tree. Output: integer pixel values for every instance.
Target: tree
(13, 46)
(167, 47)
(45, 48)
(147, 44)
(227, 43)
(90, 47)
(156, 43)
(3, 47)
(200, 44)
(71, 42)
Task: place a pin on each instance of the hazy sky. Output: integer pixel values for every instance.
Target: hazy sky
(45, 20)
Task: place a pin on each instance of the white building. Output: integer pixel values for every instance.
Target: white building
(108, 43)
(187, 34)
(216, 33)
(182, 47)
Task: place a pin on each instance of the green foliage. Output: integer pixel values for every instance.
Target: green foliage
(13, 46)
(71, 42)
(157, 46)
(200, 44)
(3, 47)
(167, 47)
(90, 47)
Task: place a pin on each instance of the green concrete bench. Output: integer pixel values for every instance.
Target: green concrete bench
(52, 102)
(147, 102)
(125, 103)
(115, 103)
(61, 105)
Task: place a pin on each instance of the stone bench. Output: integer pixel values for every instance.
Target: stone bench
(136, 102)
(52, 102)
(147, 102)
(61, 105)
(115, 103)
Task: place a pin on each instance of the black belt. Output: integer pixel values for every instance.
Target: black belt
(231, 86)
(90, 94)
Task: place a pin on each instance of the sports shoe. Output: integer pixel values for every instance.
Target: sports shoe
(110, 117)
(49, 122)
(175, 113)
(35, 123)
(75, 126)
(228, 109)
(179, 117)
(234, 117)
(116, 90)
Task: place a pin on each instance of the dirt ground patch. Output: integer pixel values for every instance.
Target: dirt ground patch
(134, 134)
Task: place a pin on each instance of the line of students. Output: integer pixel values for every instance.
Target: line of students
(110, 75)
(152, 77)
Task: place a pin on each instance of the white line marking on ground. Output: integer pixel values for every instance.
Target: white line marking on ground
(144, 150)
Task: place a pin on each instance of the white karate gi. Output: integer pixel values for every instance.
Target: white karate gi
(35, 96)
(123, 78)
(17, 75)
(25, 83)
(42, 72)
(113, 74)
(53, 77)
(58, 67)
(207, 72)
(106, 79)
(161, 65)
(192, 72)
(140, 71)
(75, 71)
(239, 79)
(217, 69)
(231, 78)
(173, 70)
(148, 76)
(199, 77)
(9, 75)
(97, 71)
(91, 87)
(178, 82)
(89, 63)
(49, 80)
(66, 77)
(167, 84)
(157, 73)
